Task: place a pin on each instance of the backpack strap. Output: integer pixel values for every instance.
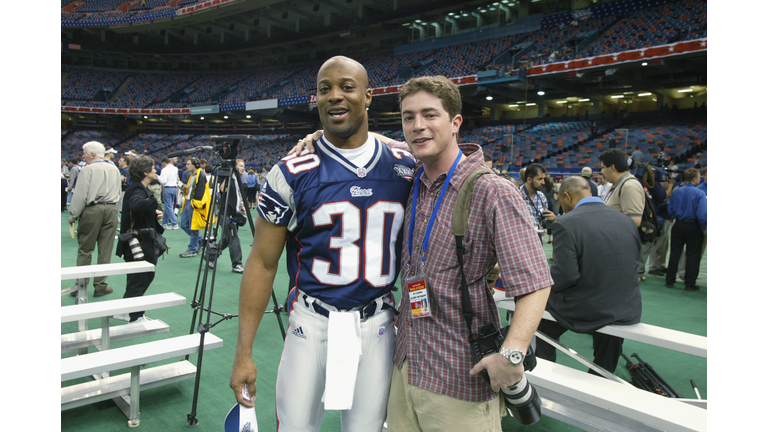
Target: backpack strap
(459, 229)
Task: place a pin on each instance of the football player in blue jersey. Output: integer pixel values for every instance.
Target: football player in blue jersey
(339, 213)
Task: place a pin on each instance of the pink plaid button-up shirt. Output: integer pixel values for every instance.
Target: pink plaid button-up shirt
(500, 229)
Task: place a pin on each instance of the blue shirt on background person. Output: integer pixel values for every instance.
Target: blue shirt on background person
(689, 203)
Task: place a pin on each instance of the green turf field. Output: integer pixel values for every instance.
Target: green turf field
(166, 408)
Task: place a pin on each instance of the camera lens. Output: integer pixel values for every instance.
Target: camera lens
(523, 402)
(135, 246)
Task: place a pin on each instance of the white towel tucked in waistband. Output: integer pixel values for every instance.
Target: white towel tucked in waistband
(344, 340)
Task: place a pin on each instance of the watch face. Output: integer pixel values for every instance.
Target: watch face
(516, 357)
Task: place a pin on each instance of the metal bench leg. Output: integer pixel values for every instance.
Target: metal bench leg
(82, 298)
(133, 419)
(105, 339)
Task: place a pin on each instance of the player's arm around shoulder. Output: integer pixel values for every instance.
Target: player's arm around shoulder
(255, 290)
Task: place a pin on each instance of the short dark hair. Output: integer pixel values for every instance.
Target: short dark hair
(614, 157)
(195, 161)
(690, 174)
(533, 170)
(438, 86)
(140, 166)
(165, 160)
(487, 156)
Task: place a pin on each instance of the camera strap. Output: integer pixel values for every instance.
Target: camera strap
(459, 229)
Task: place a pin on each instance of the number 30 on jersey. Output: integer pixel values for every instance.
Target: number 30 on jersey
(382, 218)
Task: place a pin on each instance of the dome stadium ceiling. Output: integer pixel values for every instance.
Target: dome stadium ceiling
(253, 35)
(247, 33)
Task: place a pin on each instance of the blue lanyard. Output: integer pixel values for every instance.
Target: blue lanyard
(434, 210)
(537, 199)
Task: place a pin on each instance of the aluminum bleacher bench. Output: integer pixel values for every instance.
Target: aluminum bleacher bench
(111, 269)
(593, 403)
(113, 307)
(129, 385)
(645, 333)
(72, 342)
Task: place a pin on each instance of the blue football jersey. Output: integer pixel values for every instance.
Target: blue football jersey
(345, 221)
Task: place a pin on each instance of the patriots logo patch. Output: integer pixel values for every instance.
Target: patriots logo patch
(403, 171)
(272, 210)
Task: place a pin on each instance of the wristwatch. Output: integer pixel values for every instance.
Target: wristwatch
(514, 356)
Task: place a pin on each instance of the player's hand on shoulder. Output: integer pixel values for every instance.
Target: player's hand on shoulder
(306, 142)
(243, 374)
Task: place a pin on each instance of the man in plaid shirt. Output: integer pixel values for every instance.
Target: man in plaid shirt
(436, 383)
(535, 198)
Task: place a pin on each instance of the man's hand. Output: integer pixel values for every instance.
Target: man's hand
(243, 373)
(493, 276)
(549, 215)
(502, 373)
(70, 220)
(306, 142)
(159, 214)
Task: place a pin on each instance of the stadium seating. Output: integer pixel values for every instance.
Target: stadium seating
(558, 146)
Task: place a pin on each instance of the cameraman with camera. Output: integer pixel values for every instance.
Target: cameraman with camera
(139, 226)
(233, 217)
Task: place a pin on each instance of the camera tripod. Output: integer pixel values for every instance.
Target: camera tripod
(211, 247)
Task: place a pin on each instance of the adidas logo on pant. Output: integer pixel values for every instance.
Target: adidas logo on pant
(299, 332)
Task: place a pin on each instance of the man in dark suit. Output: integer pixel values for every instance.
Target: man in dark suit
(595, 250)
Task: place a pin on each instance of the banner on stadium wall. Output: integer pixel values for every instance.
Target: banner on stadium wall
(204, 109)
(261, 105)
(459, 81)
(650, 53)
(123, 111)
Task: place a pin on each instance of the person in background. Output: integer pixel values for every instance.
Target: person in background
(94, 208)
(140, 214)
(252, 186)
(588, 239)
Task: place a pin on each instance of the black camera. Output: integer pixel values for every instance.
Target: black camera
(545, 223)
(236, 217)
(521, 399)
(132, 237)
(149, 233)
